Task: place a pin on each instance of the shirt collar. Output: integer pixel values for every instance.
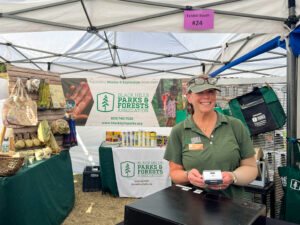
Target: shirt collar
(189, 122)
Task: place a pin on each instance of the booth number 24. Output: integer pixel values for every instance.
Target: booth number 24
(197, 22)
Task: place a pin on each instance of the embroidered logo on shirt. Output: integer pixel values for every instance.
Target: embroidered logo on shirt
(195, 140)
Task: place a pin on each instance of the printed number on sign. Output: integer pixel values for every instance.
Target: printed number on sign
(197, 22)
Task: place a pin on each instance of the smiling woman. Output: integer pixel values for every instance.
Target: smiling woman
(208, 140)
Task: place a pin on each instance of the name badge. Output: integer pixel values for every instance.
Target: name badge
(195, 146)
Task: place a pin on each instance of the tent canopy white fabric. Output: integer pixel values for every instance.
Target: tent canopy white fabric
(233, 16)
(128, 54)
(133, 54)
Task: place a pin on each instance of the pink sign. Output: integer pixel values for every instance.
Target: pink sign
(198, 19)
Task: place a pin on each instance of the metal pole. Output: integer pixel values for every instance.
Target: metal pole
(291, 91)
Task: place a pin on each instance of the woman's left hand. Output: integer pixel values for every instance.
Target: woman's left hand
(227, 180)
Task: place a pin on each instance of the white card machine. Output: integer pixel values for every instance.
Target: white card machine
(212, 177)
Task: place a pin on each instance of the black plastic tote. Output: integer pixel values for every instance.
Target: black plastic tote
(259, 110)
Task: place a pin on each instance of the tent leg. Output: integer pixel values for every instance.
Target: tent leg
(292, 82)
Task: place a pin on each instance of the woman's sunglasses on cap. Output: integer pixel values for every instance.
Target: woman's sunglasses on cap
(203, 80)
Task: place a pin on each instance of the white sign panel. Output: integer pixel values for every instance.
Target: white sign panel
(140, 171)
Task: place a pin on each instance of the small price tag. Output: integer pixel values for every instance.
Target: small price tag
(198, 19)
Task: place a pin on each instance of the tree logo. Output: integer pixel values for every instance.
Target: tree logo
(105, 102)
(295, 184)
(127, 169)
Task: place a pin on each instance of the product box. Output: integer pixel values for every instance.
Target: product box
(91, 179)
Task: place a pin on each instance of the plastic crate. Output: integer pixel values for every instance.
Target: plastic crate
(91, 179)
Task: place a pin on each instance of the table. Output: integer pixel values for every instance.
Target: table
(132, 171)
(268, 189)
(42, 193)
(174, 205)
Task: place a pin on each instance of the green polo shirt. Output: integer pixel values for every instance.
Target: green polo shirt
(228, 144)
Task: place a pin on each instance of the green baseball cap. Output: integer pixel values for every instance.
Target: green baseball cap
(199, 84)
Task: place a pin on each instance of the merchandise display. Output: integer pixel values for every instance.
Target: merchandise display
(19, 109)
(22, 136)
(259, 110)
(32, 165)
(139, 138)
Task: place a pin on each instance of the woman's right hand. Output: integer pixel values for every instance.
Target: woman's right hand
(196, 179)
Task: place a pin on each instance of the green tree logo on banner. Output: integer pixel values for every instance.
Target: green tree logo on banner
(105, 102)
(127, 169)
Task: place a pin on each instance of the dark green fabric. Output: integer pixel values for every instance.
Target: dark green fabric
(41, 194)
(290, 179)
(237, 112)
(108, 176)
(274, 106)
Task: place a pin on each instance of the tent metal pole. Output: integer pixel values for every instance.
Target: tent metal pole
(250, 37)
(72, 27)
(277, 53)
(4, 59)
(123, 75)
(263, 59)
(249, 15)
(115, 44)
(42, 7)
(42, 51)
(193, 51)
(86, 14)
(17, 50)
(255, 72)
(211, 4)
(157, 70)
(103, 27)
(262, 69)
(30, 59)
(291, 93)
(64, 55)
(80, 70)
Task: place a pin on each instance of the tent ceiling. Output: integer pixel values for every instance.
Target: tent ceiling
(133, 54)
(234, 16)
(92, 51)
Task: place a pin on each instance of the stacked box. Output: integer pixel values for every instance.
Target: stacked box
(91, 179)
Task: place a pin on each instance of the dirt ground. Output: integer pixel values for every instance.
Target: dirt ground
(95, 208)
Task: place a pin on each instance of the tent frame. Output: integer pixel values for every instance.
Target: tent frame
(291, 21)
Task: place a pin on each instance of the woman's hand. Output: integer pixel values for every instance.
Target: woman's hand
(227, 181)
(196, 179)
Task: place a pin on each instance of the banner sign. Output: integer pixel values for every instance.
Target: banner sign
(198, 19)
(140, 171)
(116, 102)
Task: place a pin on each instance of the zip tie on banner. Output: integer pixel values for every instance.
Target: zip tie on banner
(223, 49)
(294, 140)
(285, 37)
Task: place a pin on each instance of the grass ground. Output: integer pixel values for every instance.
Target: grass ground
(95, 208)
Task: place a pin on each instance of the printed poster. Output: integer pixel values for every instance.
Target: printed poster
(129, 102)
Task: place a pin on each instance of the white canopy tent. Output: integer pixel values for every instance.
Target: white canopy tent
(88, 50)
(233, 16)
(134, 54)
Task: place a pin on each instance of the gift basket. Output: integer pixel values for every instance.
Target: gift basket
(9, 164)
